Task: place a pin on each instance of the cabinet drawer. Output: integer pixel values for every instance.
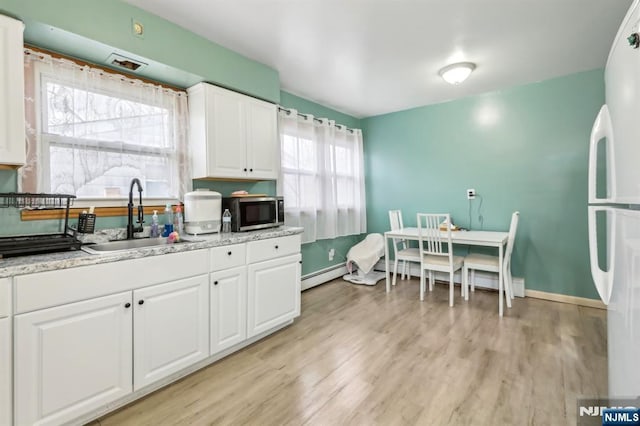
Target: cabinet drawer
(257, 251)
(51, 288)
(4, 297)
(226, 257)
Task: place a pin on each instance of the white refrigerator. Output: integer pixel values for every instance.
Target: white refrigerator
(618, 282)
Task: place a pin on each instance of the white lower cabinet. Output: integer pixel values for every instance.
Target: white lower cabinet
(5, 371)
(171, 328)
(72, 359)
(228, 308)
(78, 351)
(274, 293)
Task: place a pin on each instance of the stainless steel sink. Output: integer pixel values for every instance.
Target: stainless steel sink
(122, 245)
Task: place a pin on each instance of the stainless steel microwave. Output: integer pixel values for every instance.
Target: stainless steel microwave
(251, 213)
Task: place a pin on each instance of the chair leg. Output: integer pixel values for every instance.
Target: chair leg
(473, 280)
(451, 288)
(510, 278)
(507, 288)
(422, 284)
(465, 282)
(395, 271)
(430, 280)
(404, 270)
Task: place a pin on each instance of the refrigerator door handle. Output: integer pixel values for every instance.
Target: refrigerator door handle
(602, 128)
(602, 279)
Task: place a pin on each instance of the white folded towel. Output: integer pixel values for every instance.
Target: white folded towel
(366, 253)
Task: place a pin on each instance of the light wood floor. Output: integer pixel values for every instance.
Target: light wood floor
(358, 356)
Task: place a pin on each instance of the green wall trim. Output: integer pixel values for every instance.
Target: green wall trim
(92, 29)
(524, 148)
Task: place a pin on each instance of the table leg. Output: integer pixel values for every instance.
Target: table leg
(386, 262)
(500, 281)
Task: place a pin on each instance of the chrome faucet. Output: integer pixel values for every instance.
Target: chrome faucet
(130, 228)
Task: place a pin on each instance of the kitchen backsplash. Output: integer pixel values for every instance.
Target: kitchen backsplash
(11, 224)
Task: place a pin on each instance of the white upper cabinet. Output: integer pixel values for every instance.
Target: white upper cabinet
(225, 133)
(232, 135)
(12, 144)
(263, 153)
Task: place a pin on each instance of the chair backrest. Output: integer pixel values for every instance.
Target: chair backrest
(395, 222)
(433, 241)
(512, 237)
(395, 219)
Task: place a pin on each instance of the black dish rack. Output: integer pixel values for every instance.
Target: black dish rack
(38, 243)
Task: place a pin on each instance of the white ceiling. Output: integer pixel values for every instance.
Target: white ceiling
(370, 57)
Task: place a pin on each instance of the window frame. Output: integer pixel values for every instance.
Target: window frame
(43, 140)
(321, 182)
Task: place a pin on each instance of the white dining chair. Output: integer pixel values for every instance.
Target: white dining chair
(436, 254)
(483, 262)
(401, 250)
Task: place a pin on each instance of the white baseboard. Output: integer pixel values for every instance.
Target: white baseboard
(484, 280)
(562, 298)
(324, 275)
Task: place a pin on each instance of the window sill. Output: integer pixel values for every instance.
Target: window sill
(49, 214)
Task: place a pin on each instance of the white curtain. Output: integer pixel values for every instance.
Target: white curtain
(322, 176)
(89, 132)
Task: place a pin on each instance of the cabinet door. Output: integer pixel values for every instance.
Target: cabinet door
(274, 293)
(263, 153)
(72, 359)
(5, 372)
(171, 328)
(226, 134)
(12, 145)
(228, 308)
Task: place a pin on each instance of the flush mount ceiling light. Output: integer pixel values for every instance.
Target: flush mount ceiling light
(457, 73)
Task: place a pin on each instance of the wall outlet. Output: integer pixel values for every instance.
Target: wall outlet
(332, 253)
(471, 194)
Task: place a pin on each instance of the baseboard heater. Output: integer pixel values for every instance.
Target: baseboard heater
(323, 275)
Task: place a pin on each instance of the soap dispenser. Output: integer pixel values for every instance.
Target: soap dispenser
(155, 231)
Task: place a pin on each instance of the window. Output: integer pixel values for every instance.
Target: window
(299, 169)
(90, 132)
(322, 177)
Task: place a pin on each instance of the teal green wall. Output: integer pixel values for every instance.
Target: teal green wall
(92, 29)
(523, 148)
(315, 256)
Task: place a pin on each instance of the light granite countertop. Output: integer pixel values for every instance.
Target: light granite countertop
(48, 262)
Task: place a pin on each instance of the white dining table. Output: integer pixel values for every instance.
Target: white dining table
(495, 239)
